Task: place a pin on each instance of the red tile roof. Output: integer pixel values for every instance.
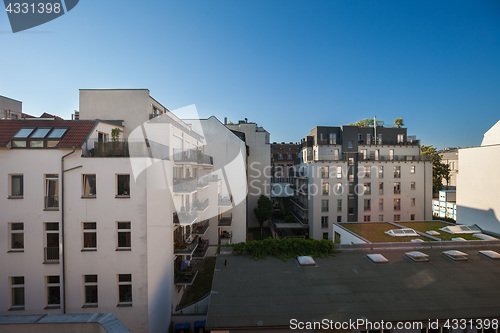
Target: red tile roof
(77, 132)
(48, 115)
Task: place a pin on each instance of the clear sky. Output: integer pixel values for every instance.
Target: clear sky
(287, 65)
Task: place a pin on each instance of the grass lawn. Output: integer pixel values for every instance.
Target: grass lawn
(254, 233)
(374, 232)
(435, 225)
(202, 284)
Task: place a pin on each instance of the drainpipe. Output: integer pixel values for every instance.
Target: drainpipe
(62, 231)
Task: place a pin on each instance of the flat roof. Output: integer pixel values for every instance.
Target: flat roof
(248, 293)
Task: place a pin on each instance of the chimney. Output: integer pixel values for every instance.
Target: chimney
(246, 120)
(225, 120)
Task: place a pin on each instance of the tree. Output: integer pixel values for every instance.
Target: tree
(399, 122)
(440, 170)
(263, 210)
(367, 123)
(115, 134)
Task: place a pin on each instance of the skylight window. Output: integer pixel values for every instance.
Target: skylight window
(306, 261)
(432, 233)
(417, 256)
(377, 258)
(404, 232)
(23, 133)
(484, 237)
(459, 239)
(461, 229)
(490, 254)
(40, 133)
(57, 133)
(455, 255)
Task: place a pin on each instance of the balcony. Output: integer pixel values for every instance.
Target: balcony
(125, 148)
(187, 218)
(225, 221)
(298, 217)
(185, 248)
(225, 202)
(402, 158)
(187, 275)
(302, 190)
(51, 202)
(201, 250)
(202, 183)
(185, 186)
(191, 156)
(51, 255)
(200, 206)
(200, 228)
(298, 203)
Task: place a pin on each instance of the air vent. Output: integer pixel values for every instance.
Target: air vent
(459, 239)
(405, 232)
(484, 237)
(490, 254)
(432, 233)
(377, 258)
(306, 261)
(455, 255)
(417, 240)
(417, 256)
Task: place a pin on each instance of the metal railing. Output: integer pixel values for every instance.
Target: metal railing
(51, 254)
(298, 217)
(185, 186)
(191, 156)
(299, 203)
(201, 250)
(200, 206)
(225, 221)
(187, 217)
(185, 248)
(200, 228)
(225, 202)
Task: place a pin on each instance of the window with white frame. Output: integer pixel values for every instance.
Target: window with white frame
(367, 205)
(339, 172)
(90, 291)
(397, 204)
(124, 235)
(380, 205)
(412, 185)
(51, 253)
(381, 188)
(367, 187)
(391, 154)
(363, 154)
(123, 185)
(381, 171)
(397, 171)
(412, 169)
(89, 186)
(379, 139)
(124, 289)
(333, 138)
(338, 188)
(16, 238)
(325, 188)
(16, 186)
(324, 222)
(51, 192)
(367, 218)
(53, 287)
(397, 188)
(17, 292)
(397, 218)
(412, 202)
(367, 171)
(368, 139)
(324, 205)
(89, 231)
(381, 218)
(339, 205)
(324, 172)
(401, 138)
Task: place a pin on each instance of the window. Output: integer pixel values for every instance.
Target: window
(363, 154)
(412, 217)
(124, 233)
(380, 205)
(401, 138)
(89, 186)
(123, 185)
(377, 154)
(17, 292)
(16, 237)
(366, 218)
(391, 154)
(326, 189)
(397, 204)
(339, 218)
(333, 138)
(412, 169)
(339, 205)
(89, 235)
(52, 192)
(336, 154)
(53, 286)
(324, 205)
(412, 185)
(338, 188)
(90, 290)
(339, 172)
(412, 202)
(367, 188)
(381, 218)
(397, 172)
(16, 186)
(51, 253)
(102, 137)
(367, 172)
(124, 289)
(325, 235)
(379, 139)
(380, 188)
(349, 144)
(380, 171)
(368, 139)
(280, 157)
(397, 188)
(324, 222)
(368, 205)
(324, 172)
(397, 218)
(351, 161)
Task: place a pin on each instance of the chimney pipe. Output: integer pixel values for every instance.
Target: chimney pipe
(225, 120)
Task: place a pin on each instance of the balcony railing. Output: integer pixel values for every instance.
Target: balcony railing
(300, 204)
(201, 250)
(200, 206)
(187, 275)
(191, 156)
(225, 202)
(203, 182)
(394, 158)
(200, 228)
(185, 186)
(186, 218)
(51, 254)
(185, 248)
(298, 217)
(225, 221)
(52, 202)
(125, 148)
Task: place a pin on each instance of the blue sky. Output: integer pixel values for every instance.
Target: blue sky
(287, 65)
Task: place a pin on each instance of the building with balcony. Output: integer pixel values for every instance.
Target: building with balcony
(478, 182)
(350, 173)
(445, 205)
(449, 156)
(102, 218)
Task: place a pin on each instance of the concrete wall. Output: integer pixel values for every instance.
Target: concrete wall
(346, 237)
(10, 108)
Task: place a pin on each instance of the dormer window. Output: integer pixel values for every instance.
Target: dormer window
(41, 137)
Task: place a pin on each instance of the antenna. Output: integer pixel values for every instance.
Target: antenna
(375, 129)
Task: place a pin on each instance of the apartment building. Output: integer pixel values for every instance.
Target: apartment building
(449, 156)
(283, 156)
(257, 140)
(351, 173)
(98, 217)
(478, 182)
(10, 108)
(445, 205)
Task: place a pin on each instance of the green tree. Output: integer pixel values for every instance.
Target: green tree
(440, 170)
(399, 122)
(263, 210)
(115, 134)
(367, 123)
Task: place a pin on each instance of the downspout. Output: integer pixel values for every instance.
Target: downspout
(62, 231)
